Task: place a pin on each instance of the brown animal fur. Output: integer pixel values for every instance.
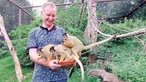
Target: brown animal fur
(77, 46)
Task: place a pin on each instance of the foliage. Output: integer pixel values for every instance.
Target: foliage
(4, 50)
(72, 20)
(19, 40)
(128, 55)
(128, 61)
(124, 26)
(75, 77)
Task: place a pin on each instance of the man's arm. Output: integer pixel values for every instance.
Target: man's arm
(34, 56)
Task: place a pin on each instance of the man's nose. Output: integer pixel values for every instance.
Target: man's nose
(50, 17)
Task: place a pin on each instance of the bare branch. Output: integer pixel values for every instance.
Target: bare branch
(138, 32)
(12, 51)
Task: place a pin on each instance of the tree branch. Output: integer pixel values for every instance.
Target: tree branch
(138, 32)
(12, 51)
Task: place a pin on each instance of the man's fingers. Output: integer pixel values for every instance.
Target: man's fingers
(53, 64)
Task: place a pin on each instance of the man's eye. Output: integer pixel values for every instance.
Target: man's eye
(48, 15)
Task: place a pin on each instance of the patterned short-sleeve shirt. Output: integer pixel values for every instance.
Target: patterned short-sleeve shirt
(38, 38)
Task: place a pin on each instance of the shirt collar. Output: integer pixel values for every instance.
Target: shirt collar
(43, 28)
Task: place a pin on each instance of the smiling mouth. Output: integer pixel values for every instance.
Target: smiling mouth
(50, 21)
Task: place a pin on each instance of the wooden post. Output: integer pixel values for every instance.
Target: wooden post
(20, 11)
(20, 18)
(12, 51)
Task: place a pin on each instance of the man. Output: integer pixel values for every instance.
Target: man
(47, 33)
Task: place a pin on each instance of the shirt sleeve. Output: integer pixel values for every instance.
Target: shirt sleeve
(32, 42)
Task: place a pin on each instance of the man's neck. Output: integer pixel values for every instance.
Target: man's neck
(48, 27)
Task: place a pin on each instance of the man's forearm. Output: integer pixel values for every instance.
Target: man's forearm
(34, 57)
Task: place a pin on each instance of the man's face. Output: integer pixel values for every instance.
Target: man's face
(48, 15)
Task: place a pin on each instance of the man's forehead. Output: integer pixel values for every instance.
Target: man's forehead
(49, 8)
(50, 12)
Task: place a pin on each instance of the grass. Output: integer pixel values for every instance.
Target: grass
(76, 77)
(7, 71)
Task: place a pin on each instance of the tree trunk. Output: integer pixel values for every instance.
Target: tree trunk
(91, 58)
(12, 51)
(90, 33)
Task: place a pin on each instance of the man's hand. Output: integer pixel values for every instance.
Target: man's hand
(53, 64)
